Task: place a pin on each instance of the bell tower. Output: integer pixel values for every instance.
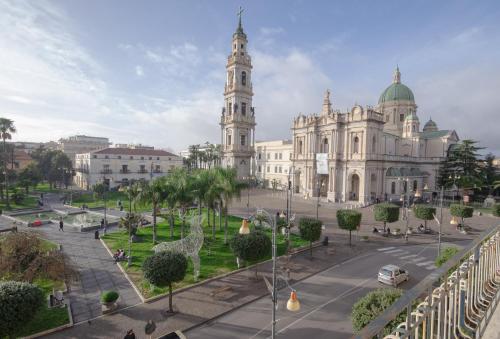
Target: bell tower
(238, 115)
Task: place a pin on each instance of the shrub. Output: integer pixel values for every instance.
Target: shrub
(424, 212)
(349, 220)
(445, 255)
(461, 211)
(372, 305)
(17, 196)
(310, 230)
(109, 297)
(386, 212)
(250, 247)
(19, 303)
(163, 269)
(496, 210)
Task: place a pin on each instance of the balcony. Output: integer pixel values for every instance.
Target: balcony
(143, 171)
(106, 171)
(124, 171)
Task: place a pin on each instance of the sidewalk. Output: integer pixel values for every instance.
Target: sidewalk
(210, 299)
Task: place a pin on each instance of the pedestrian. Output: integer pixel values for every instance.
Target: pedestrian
(388, 231)
(96, 234)
(61, 225)
(105, 226)
(130, 335)
(102, 223)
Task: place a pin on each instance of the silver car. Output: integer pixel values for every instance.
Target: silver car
(392, 275)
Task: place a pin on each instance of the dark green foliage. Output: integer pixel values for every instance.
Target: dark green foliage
(109, 296)
(17, 196)
(424, 212)
(310, 230)
(164, 268)
(496, 210)
(349, 220)
(19, 303)
(445, 255)
(372, 305)
(251, 247)
(386, 212)
(461, 211)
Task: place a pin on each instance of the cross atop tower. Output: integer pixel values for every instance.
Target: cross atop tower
(239, 30)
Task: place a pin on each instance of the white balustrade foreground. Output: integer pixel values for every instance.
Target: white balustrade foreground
(458, 305)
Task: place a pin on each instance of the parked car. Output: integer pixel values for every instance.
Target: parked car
(392, 275)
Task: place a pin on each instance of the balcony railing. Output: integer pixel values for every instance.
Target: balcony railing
(460, 307)
(124, 171)
(142, 171)
(106, 171)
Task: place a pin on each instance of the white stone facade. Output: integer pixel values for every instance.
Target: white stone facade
(273, 163)
(238, 118)
(119, 166)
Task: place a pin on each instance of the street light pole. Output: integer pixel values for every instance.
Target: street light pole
(275, 299)
(440, 220)
(317, 201)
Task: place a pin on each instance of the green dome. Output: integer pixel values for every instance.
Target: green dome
(396, 91)
(430, 126)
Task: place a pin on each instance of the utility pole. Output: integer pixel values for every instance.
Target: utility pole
(440, 220)
(317, 201)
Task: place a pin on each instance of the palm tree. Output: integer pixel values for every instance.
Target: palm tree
(213, 196)
(153, 192)
(230, 189)
(183, 194)
(134, 190)
(6, 129)
(171, 201)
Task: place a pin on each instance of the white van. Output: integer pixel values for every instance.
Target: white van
(392, 275)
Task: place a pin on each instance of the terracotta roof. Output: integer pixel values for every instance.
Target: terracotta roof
(21, 155)
(133, 151)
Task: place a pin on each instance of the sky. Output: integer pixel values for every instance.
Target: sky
(153, 72)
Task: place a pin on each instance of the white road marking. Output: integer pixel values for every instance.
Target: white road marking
(425, 263)
(416, 260)
(385, 248)
(394, 251)
(409, 256)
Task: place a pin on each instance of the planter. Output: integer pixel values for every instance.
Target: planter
(109, 301)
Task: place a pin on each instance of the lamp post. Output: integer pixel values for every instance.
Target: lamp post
(319, 192)
(293, 303)
(406, 201)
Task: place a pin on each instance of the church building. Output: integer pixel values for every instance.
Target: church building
(367, 153)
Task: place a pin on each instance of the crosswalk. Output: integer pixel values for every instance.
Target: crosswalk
(409, 258)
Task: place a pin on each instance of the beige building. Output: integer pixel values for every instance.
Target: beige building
(79, 144)
(120, 166)
(273, 163)
(371, 152)
(238, 119)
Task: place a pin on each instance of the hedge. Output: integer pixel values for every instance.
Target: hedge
(109, 297)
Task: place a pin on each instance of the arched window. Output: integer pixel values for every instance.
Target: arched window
(413, 127)
(374, 144)
(415, 185)
(356, 145)
(299, 146)
(325, 145)
(393, 188)
(244, 78)
(243, 108)
(229, 108)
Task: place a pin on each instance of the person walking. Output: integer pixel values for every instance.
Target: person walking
(102, 223)
(61, 225)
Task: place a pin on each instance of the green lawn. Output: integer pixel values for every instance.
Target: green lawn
(46, 318)
(216, 258)
(45, 188)
(28, 202)
(112, 199)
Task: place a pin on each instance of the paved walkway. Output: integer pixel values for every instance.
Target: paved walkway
(201, 303)
(493, 327)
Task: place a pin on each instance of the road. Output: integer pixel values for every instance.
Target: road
(326, 298)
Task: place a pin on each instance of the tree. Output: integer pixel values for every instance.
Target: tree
(372, 305)
(153, 193)
(61, 169)
(310, 230)
(461, 211)
(29, 176)
(386, 212)
(489, 173)
(349, 220)
(7, 128)
(183, 195)
(213, 196)
(17, 196)
(201, 181)
(251, 247)
(461, 166)
(170, 200)
(163, 269)
(230, 188)
(19, 303)
(496, 210)
(424, 212)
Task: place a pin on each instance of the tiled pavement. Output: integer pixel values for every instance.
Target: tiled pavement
(97, 270)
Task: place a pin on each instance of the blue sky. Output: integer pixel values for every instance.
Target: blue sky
(153, 72)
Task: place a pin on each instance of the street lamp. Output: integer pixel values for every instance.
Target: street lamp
(292, 303)
(406, 205)
(244, 229)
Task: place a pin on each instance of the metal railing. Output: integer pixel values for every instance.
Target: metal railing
(460, 307)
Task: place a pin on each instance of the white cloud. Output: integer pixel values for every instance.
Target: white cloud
(139, 71)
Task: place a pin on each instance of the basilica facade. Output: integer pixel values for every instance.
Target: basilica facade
(367, 153)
